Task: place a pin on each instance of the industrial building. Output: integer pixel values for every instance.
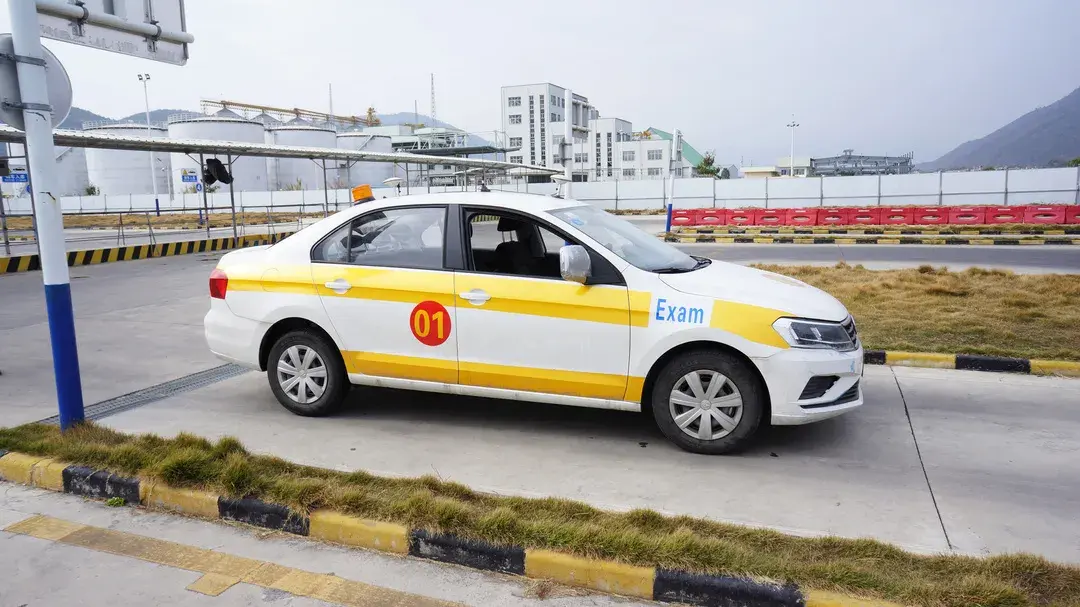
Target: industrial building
(534, 117)
(849, 163)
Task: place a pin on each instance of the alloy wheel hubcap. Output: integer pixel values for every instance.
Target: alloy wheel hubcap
(706, 405)
(301, 374)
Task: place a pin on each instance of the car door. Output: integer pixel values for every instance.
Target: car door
(522, 327)
(383, 283)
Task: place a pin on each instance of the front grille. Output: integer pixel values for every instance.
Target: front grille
(818, 386)
(849, 396)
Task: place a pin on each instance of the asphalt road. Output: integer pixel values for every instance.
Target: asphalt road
(936, 461)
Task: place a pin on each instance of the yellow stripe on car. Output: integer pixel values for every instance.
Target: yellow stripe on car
(750, 322)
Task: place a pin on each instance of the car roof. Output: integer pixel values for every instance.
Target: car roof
(535, 203)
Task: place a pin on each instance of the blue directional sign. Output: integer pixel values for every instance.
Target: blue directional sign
(198, 187)
(17, 178)
(189, 177)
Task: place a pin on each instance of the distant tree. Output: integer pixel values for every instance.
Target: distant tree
(293, 187)
(707, 167)
(989, 168)
(1075, 162)
(91, 190)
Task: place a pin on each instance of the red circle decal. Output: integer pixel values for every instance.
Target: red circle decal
(430, 323)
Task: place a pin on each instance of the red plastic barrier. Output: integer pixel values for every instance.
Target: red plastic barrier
(931, 216)
(770, 217)
(712, 217)
(865, 217)
(834, 217)
(967, 215)
(1005, 214)
(1054, 213)
(802, 217)
(740, 217)
(1072, 213)
(898, 216)
(684, 217)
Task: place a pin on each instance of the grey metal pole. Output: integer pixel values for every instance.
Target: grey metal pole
(325, 190)
(821, 191)
(879, 189)
(940, 190)
(3, 227)
(1076, 197)
(406, 179)
(205, 204)
(1005, 199)
(232, 199)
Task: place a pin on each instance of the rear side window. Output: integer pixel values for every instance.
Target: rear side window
(392, 238)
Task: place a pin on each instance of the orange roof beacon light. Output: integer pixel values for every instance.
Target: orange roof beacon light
(362, 193)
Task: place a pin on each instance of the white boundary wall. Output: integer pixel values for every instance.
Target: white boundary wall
(1013, 187)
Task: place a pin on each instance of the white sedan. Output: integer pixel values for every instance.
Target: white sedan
(533, 298)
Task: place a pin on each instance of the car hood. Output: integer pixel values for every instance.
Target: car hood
(733, 282)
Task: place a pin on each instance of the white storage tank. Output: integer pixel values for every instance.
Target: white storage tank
(371, 173)
(308, 173)
(70, 176)
(249, 172)
(127, 172)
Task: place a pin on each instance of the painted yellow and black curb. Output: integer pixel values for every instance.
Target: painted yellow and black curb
(848, 240)
(885, 230)
(652, 583)
(973, 362)
(29, 263)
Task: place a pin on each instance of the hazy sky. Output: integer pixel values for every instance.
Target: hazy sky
(879, 77)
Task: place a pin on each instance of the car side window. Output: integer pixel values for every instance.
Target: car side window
(514, 244)
(395, 238)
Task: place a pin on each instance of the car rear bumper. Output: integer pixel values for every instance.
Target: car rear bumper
(231, 337)
(787, 374)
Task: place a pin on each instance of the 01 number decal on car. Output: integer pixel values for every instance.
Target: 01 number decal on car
(430, 323)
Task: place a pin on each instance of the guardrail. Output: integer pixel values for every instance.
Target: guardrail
(878, 216)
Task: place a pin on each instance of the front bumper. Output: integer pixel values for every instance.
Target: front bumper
(787, 372)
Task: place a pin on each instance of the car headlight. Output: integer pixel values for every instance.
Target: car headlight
(816, 334)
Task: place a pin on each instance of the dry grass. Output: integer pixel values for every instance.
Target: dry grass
(971, 312)
(166, 220)
(863, 567)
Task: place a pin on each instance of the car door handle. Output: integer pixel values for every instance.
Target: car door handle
(339, 286)
(476, 297)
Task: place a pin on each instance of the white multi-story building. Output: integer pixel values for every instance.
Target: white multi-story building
(534, 118)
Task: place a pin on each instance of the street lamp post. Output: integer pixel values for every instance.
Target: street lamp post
(791, 159)
(145, 79)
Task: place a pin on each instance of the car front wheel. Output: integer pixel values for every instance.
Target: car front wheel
(306, 374)
(708, 402)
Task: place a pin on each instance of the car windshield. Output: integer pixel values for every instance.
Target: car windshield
(636, 247)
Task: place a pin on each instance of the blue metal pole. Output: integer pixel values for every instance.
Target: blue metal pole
(48, 214)
(667, 227)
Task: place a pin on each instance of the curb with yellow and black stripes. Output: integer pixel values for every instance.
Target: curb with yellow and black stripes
(973, 362)
(650, 583)
(847, 239)
(29, 263)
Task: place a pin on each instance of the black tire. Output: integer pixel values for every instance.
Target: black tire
(336, 385)
(738, 373)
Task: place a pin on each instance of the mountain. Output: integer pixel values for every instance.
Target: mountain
(155, 116)
(1046, 136)
(77, 117)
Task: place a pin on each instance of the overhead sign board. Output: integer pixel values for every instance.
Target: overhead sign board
(56, 81)
(151, 29)
(189, 178)
(16, 178)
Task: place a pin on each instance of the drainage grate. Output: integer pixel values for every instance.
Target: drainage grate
(159, 392)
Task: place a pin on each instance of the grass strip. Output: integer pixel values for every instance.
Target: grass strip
(190, 220)
(976, 311)
(641, 537)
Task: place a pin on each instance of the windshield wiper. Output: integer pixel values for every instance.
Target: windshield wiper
(700, 262)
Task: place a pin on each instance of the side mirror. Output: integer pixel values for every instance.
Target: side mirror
(574, 263)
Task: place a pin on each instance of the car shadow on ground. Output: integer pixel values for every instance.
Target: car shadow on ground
(380, 404)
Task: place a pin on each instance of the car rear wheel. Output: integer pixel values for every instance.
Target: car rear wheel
(708, 402)
(306, 374)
